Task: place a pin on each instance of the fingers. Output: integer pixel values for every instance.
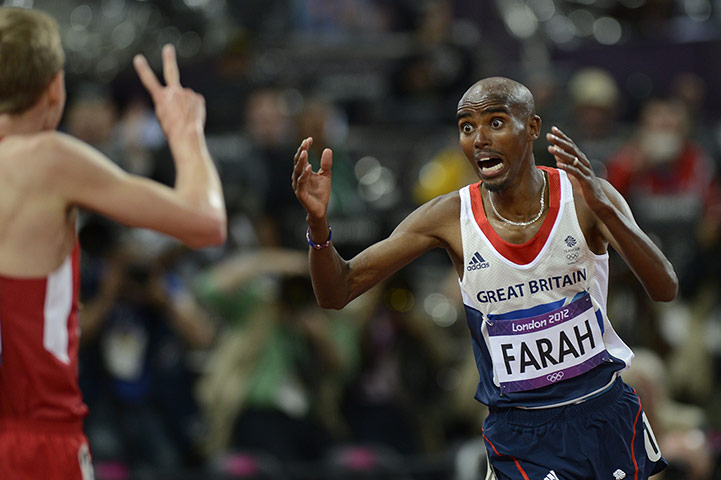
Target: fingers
(171, 73)
(326, 161)
(566, 152)
(300, 161)
(303, 147)
(563, 142)
(566, 160)
(147, 77)
(170, 66)
(558, 132)
(302, 180)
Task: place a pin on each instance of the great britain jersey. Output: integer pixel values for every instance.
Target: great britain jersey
(39, 347)
(537, 310)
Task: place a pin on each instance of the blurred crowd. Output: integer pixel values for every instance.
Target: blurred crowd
(219, 364)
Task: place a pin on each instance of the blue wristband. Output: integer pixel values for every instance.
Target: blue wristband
(318, 246)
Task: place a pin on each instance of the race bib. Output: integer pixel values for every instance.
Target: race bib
(533, 352)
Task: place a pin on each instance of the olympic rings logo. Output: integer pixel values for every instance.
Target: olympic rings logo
(554, 377)
(572, 256)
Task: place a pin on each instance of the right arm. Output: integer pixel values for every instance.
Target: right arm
(336, 281)
(193, 211)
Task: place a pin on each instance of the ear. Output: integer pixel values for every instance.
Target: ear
(56, 89)
(534, 127)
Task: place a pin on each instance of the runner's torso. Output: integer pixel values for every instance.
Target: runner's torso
(39, 346)
(537, 311)
(37, 226)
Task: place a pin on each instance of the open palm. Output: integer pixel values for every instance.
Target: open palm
(580, 171)
(312, 188)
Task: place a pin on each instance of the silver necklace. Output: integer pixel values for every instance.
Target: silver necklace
(521, 224)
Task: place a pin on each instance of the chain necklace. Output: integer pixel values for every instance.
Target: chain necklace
(521, 224)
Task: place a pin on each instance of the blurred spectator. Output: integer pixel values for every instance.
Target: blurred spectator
(446, 172)
(679, 427)
(91, 116)
(269, 127)
(140, 137)
(670, 185)
(271, 381)
(329, 128)
(339, 16)
(594, 124)
(394, 399)
(132, 138)
(690, 89)
(327, 124)
(669, 181)
(438, 69)
(137, 331)
(550, 106)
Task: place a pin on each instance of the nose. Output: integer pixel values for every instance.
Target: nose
(481, 139)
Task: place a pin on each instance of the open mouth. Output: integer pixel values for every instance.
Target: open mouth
(490, 165)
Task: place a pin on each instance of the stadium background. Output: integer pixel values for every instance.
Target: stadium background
(216, 364)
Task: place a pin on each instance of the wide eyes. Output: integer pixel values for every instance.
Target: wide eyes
(495, 124)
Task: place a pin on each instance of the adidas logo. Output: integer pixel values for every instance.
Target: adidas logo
(551, 476)
(477, 262)
(619, 474)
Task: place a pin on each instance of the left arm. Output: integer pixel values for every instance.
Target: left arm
(614, 220)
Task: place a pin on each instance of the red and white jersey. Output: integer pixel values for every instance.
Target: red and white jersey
(39, 347)
(537, 311)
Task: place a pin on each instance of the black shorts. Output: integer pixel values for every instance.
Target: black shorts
(607, 437)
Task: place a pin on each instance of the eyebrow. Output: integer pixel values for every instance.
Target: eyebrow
(488, 111)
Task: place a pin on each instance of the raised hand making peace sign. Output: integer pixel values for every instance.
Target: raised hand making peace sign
(177, 108)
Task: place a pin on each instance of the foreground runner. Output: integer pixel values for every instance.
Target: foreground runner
(530, 248)
(44, 177)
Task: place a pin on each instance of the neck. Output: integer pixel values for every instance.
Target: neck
(34, 120)
(520, 201)
(524, 186)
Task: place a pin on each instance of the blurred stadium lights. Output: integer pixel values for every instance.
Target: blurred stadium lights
(565, 23)
(607, 30)
(698, 10)
(101, 36)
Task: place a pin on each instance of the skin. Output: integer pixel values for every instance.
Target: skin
(496, 119)
(45, 176)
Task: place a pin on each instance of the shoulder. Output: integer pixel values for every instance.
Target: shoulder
(442, 209)
(437, 220)
(41, 148)
(28, 157)
(50, 160)
(450, 200)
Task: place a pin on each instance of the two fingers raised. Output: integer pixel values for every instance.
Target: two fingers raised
(171, 73)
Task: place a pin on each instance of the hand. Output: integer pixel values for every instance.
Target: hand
(312, 188)
(571, 159)
(177, 108)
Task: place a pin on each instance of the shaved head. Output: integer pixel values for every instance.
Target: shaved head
(500, 90)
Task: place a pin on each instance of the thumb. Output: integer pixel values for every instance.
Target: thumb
(326, 161)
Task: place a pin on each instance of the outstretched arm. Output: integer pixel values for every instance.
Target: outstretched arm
(193, 211)
(336, 281)
(615, 221)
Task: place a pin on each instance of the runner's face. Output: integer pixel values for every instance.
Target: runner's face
(495, 136)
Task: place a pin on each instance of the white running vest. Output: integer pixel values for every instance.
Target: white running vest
(537, 311)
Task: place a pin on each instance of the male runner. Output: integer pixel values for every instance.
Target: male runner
(530, 248)
(44, 177)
